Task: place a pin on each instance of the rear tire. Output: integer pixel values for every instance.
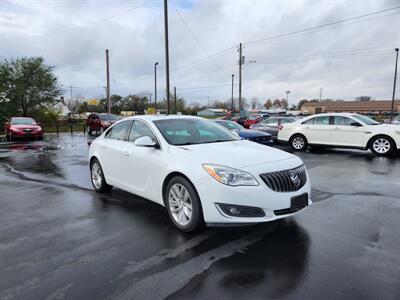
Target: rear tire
(183, 205)
(97, 177)
(382, 145)
(298, 142)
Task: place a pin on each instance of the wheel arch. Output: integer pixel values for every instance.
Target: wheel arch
(168, 178)
(368, 146)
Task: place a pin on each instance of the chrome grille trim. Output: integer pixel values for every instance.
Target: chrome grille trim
(282, 182)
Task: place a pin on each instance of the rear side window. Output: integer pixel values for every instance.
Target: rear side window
(318, 121)
(119, 131)
(344, 121)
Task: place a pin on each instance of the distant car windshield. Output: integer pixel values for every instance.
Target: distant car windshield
(22, 121)
(365, 120)
(230, 125)
(108, 118)
(253, 117)
(192, 131)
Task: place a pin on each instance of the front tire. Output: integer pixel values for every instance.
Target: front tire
(382, 145)
(298, 142)
(183, 205)
(97, 177)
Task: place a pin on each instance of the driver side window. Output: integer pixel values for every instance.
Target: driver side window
(140, 129)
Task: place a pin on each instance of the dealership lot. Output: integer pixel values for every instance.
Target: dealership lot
(58, 239)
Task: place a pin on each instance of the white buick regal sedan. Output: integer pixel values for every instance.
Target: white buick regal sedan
(200, 171)
(342, 130)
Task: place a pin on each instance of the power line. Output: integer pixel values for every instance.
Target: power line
(191, 31)
(322, 26)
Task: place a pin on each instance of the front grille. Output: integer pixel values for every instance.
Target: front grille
(286, 181)
(27, 130)
(261, 139)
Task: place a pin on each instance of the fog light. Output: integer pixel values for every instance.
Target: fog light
(241, 211)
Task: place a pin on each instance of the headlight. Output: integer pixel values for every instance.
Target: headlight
(230, 176)
(14, 129)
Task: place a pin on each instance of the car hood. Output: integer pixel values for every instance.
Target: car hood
(25, 126)
(235, 154)
(249, 133)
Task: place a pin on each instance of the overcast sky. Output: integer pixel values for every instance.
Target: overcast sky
(346, 60)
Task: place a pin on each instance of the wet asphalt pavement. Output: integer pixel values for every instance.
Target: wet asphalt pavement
(58, 239)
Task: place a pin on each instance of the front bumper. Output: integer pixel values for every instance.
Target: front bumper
(23, 134)
(212, 192)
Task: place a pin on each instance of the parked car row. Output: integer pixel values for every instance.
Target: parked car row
(26, 127)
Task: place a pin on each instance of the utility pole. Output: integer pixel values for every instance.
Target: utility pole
(155, 87)
(108, 82)
(150, 99)
(394, 84)
(176, 110)
(320, 94)
(166, 54)
(232, 108)
(240, 77)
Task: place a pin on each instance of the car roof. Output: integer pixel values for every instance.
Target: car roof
(334, 114)
(162, 117)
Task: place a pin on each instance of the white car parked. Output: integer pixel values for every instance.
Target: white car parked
(342, 130)
(199, 170)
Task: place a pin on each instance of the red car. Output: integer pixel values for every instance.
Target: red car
(21, 127)
(100, 122)
(253, 119)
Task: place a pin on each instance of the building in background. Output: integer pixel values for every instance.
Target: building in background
(377, 107)
(212, 112)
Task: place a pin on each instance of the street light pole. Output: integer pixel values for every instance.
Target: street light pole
(166, 54)
(155, 87)
(233, 80)
(394, 84)
(240, 78)
(108, 82)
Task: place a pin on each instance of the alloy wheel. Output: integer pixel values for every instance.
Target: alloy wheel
(381, 146)
(180, 204)
(96, 175)
(298, 143)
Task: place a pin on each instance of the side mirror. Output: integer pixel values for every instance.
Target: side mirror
(146, 141)
(6, 123)
(356, 124)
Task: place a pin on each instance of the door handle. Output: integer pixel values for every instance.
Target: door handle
(125, 153)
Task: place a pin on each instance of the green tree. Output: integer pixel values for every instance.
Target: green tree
(29, 84)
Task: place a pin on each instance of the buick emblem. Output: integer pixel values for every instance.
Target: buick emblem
(294, 177)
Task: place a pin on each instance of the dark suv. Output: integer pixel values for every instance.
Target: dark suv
(100, 122)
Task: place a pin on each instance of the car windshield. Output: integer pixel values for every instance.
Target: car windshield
(365, 120)
(253, 117)
(192, 131)
(108, 118)
(23, 121)
(230, 125)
